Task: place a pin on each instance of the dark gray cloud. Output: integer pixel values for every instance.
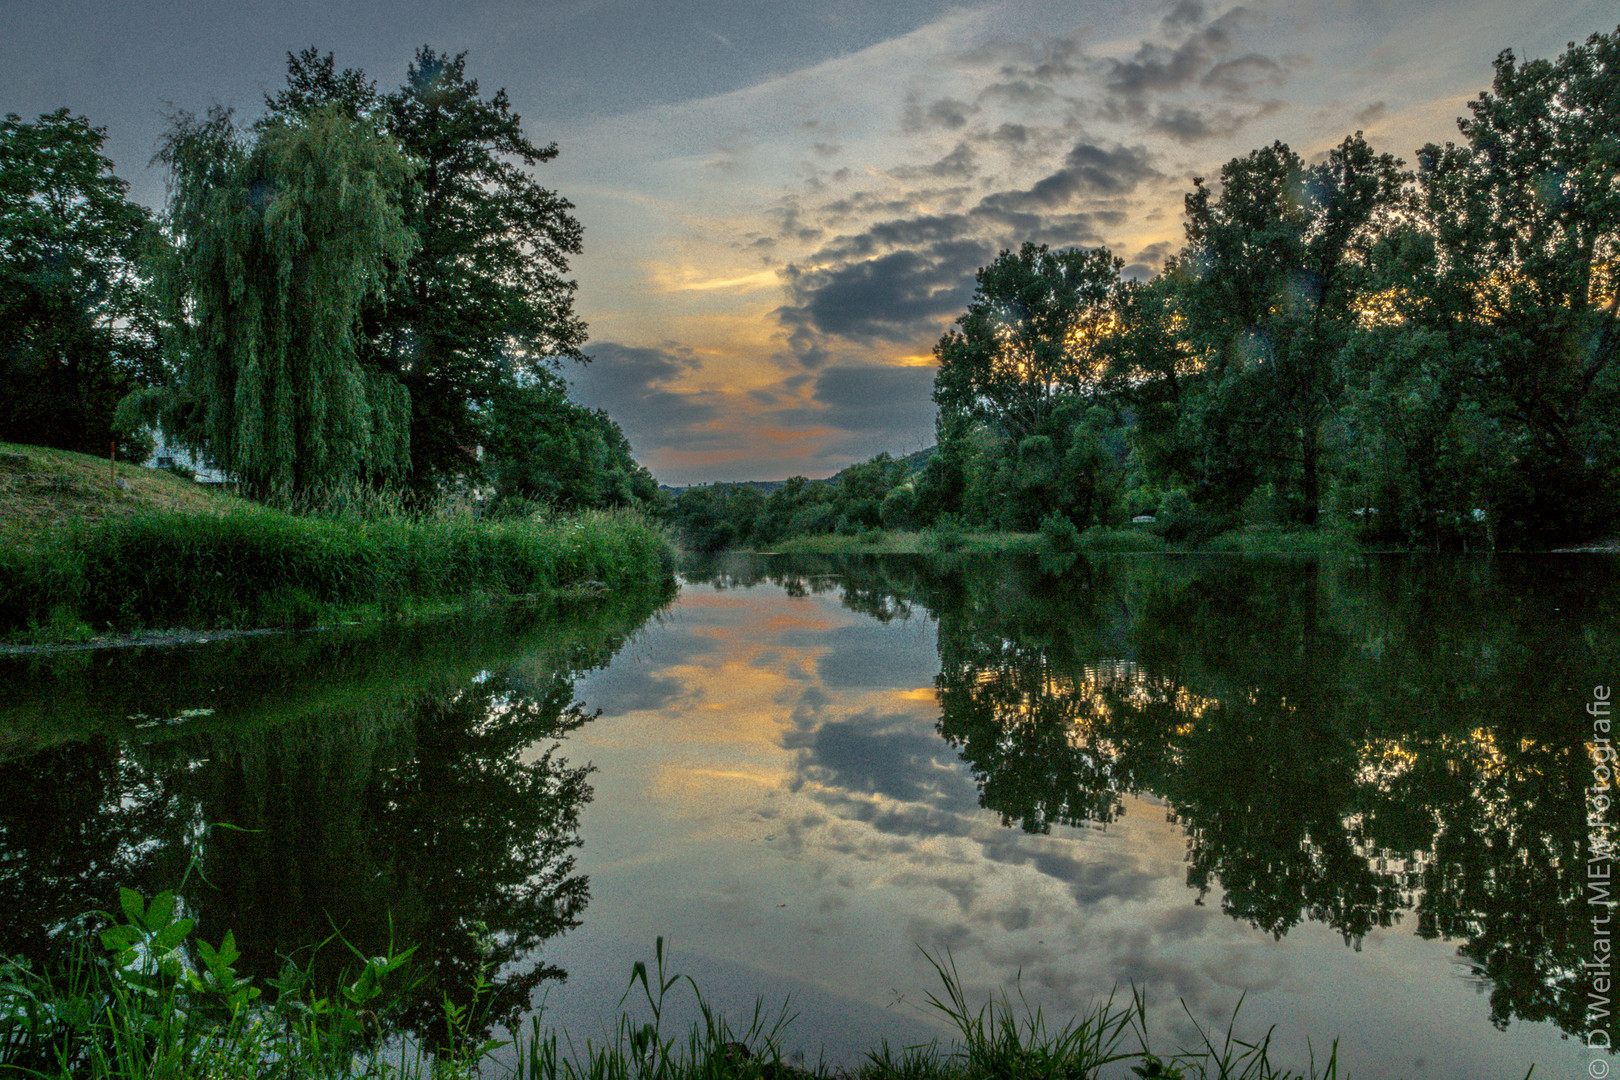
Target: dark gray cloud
(881, 408)
(1088, 170)
(1190, 125)
(627, 688)
(871, 754)
(1157, 69)
(1043, 60)
(1372, 114)
(1239, 77)
(633, 385)
(1148, 261)
(960, 162)
(947, 113)
(1012, 134)
(910, 659)
(1025, 93)
(892, 297)
(899, 279)
(635, 681)
(1186, 15)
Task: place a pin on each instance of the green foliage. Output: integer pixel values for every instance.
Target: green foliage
(279, 242)
(162, 1003)
(1032, 335)
(1270, 279)
(1430, 356)
(899, 507)
(76, 318)
(487, 282)
(947, 534)
(485, 286)
(158, 1001)
(1099, 539)
(717, 516)
(1504, 292)
(263, 567)
(543, 448)
(1059, 533)
(357, 278)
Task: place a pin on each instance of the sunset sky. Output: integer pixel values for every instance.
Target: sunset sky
(785, 202)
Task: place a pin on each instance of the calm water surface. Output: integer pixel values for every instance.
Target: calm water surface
(1345, 792)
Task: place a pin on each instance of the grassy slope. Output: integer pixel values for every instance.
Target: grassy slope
(89, 549)
(43, 490)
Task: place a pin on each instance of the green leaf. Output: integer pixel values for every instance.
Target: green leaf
(120, 937)
(134, 906)
(160, 912)
(172, 935)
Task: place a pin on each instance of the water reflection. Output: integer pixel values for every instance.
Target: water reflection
(417, 795)
(1353, 743)
(1215, 779)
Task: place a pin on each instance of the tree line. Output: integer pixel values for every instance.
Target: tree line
(1426, 354)
(356, 288)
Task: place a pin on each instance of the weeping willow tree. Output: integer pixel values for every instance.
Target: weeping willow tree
(279, 238)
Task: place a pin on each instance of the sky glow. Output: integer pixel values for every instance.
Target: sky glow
(785, 203)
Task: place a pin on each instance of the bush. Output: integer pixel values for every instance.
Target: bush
(1059, 533)
(899, 508)
(948, 534)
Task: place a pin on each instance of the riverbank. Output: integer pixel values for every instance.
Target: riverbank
(253, 567)
(90, 550)
(1096, 540)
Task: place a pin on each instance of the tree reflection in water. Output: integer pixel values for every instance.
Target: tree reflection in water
(441, 814)
(1350, 741)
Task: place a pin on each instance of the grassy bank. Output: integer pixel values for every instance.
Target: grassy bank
(254, 567)
(88, 547)
(146, 997)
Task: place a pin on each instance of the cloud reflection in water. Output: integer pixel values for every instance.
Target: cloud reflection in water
(779, 804)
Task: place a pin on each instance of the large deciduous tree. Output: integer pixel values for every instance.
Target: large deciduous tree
(1507, 291)
(278, 241)
(1274, 269)
(486, 286)
(542, 447)
(1032, 335)
(75, 319)
(485, 292)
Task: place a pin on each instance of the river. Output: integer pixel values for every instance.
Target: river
(1328, 798)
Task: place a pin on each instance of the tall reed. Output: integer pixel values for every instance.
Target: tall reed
(261, 567)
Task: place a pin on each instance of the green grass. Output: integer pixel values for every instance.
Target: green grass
(42, 489)
(257, 567)
(150, 999)
(1258, 539)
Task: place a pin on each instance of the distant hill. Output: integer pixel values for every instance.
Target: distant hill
(913, 462)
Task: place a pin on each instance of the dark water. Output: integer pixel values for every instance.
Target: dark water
(1347, 793)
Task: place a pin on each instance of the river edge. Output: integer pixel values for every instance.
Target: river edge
(587, 590)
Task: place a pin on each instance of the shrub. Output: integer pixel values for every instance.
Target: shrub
(948, 534)
(1059, 532)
